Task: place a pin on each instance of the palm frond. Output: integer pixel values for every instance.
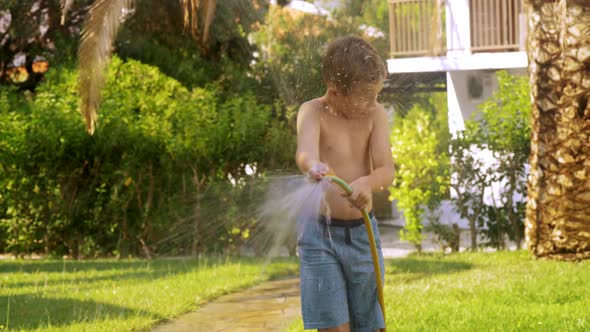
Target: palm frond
(98, 34)
(65, 7)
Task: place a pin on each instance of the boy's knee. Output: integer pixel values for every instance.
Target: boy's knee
(340, 328)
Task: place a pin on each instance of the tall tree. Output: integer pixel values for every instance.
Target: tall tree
(558, 208)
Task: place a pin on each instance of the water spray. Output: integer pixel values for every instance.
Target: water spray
(372, 243)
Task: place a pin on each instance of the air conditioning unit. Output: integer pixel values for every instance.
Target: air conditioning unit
(479, 86)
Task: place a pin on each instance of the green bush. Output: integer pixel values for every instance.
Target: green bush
(159, 152)
(419, 143)
(502, 126)
(448, 236)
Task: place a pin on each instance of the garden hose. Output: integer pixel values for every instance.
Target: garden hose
(372, 243)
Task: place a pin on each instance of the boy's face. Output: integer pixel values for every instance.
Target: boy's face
(359, 101)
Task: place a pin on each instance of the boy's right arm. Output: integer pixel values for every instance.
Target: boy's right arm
(308, 142)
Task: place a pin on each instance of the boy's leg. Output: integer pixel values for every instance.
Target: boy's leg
(364, 309)
(324, 301)
(341, 328)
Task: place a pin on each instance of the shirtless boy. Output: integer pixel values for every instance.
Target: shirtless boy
(344, 132)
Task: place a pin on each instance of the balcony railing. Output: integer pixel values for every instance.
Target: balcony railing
(418, 28)
(495, 25)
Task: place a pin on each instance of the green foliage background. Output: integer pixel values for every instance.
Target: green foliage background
(419, 142)
(180, 122)
(427, 156)
(158, 148)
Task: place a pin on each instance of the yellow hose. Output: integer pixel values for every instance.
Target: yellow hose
(372, 243)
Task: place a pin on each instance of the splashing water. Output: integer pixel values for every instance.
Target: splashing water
(291, 204)
(275, 212)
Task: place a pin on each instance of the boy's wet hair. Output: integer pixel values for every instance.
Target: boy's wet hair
(350, 60)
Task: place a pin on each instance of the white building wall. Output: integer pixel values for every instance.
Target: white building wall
(462, 102)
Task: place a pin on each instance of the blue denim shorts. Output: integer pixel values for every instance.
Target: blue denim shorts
(337, 275)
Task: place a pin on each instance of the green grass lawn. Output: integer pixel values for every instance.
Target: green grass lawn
(109, 295)
(506, 291)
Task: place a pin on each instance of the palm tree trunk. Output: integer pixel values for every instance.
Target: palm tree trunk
(558, 207)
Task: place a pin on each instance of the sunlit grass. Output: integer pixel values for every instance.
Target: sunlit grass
(506, 291)
(109, 295)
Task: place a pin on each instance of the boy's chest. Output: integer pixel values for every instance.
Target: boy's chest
(345, 136)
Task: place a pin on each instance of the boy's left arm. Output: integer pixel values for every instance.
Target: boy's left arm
(383, 167)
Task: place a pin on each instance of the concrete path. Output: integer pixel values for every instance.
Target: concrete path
(271, 306)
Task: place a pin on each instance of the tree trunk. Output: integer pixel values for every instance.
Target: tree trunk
(198, 183)
(123, 245)
(558, 206)
(144, 208)
(197, 224)
(473, 231)
(515, 220)
(464, 212)
(455, 243)
(477, 211)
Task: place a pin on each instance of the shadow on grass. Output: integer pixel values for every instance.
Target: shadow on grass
(423, 266)
(78, 271)
(140, 276)
(34, 266)
(142, 270)
(188, 263)
(31, 312)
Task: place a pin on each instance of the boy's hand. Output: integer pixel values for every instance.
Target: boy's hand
(361, 193)
(318, 171)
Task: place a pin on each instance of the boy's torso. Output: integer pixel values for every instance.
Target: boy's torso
(344, 146)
